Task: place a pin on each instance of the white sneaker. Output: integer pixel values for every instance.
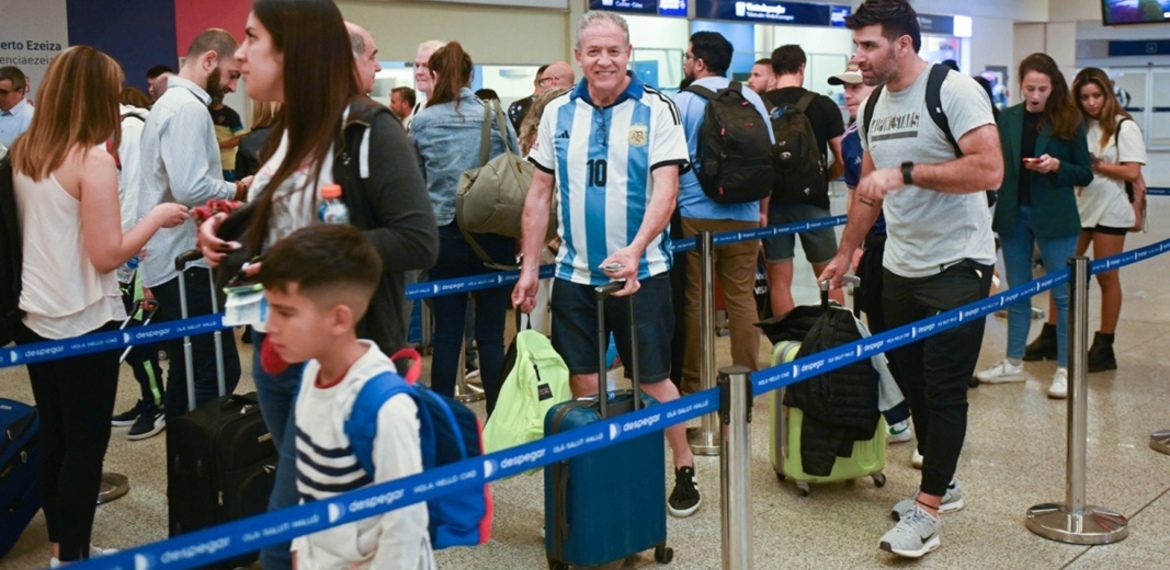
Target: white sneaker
(1059, 388)
(915, 535)
(94, 552)
(1003, 371)
(899, 432)
(916, 459)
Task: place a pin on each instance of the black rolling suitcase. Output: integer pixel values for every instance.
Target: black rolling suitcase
(221, 462)
(20, 454)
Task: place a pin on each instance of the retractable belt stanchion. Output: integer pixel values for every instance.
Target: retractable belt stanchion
(1072, 521)
(703, 439)
(735, 415)
(1160, 441)
(465, 391)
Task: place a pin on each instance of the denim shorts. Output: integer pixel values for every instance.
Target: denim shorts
(574, 327)
(820, 246)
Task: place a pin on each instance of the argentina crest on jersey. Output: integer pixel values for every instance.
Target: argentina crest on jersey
(639, 135)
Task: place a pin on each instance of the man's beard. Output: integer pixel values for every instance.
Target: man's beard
(214, 87)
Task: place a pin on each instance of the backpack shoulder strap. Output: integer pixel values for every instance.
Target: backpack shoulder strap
(938, 74)
(1117, 138)
(485, 138)
(867, 113)
(701, 91)
(361, 427)
(805, 101)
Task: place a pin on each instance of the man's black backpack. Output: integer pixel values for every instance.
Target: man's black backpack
(11, 256)
(734, 164)
(799, 171)
(938, 74)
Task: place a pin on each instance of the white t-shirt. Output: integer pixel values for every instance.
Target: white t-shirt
(928, 230)
(326, 467)
(1104, 201)
(294, 205)
(133, 120)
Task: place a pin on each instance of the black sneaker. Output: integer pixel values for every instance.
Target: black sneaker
(128, 417)
(685, 499)
(149, 424)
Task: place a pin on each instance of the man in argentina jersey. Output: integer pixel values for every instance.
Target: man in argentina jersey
(611, 150)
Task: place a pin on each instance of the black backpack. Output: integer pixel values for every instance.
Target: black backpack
(938, 74)
(734, 164)
(11, 256)
(799, 171)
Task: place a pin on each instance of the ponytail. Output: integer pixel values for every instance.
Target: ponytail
(451, 68)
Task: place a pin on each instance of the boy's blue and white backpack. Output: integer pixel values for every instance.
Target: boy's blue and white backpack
(448, 432)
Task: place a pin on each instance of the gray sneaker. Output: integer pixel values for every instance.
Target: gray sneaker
(951, 502)
(914, 536)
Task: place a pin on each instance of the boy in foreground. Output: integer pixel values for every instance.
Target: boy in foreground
(318, 283)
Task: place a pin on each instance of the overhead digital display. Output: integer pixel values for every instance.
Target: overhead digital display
(645, 7)
(771, 12)
(1121, 12)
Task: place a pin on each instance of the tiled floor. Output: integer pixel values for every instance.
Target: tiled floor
(1014, 458)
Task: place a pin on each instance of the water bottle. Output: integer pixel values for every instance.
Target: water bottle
(125, 273)
(332, 209)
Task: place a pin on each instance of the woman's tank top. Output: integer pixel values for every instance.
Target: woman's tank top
(62, 293)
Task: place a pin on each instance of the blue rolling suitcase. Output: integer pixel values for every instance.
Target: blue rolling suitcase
(611, 503)
(20, 454)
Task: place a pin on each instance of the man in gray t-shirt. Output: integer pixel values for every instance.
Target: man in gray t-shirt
(939, 251)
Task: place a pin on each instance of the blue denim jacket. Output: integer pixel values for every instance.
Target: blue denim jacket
(448, 144)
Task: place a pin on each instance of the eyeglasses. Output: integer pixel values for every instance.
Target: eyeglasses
(687, 56)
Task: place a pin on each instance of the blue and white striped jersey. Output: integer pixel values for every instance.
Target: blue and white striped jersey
(601, 158)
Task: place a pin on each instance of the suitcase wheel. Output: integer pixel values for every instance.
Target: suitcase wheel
(804, 488)
(663, 554)
(556, 564)
(879, 480)
(780, 477)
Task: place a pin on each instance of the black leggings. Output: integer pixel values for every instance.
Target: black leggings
(75, 398)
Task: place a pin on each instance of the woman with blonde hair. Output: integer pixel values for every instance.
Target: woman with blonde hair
(531, 122)
(1107, 204)
(254, 145)
(66, 190)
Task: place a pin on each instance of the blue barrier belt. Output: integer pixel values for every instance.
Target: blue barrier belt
(489, 280)
(205, 546)
(217, 543)
(1158, 191)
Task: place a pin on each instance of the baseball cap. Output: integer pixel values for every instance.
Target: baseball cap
(851, 76)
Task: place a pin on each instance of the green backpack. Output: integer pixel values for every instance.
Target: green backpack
(535, 379)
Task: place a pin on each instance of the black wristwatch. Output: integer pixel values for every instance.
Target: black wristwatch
(908, 173)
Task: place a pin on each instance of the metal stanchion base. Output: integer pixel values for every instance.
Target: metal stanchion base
(114, 486)
(1160, 441)
(468, 392)
(1094, 526)
(703, 442)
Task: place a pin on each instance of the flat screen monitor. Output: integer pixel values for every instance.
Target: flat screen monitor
(645, 7)
(1124, 12)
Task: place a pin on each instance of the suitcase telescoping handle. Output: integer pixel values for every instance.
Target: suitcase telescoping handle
(181, 262)
(846, 280)
(601, 293)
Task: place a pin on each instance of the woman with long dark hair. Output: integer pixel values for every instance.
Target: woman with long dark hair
(1045, 158)
(448, 133)
(1106, 206)
(298, 53)
(66, 188)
